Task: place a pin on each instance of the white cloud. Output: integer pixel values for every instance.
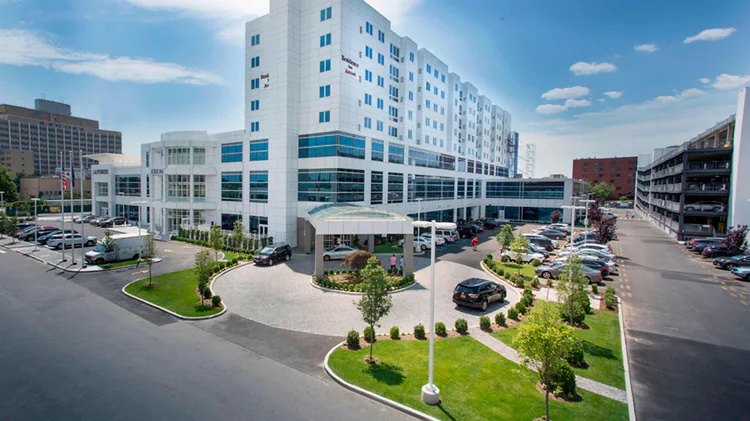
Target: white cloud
(646, 48)
(687, 93)
(550, 109)
(601, 100)
(584, 68)
(575, 103)
(25, 48)
(731, 82)
(714, 34)
(613, 94)
(566, 93)
(704, 80)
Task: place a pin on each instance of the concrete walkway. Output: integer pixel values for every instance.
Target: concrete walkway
(582, 382)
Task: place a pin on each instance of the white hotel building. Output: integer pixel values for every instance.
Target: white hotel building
(338, 109)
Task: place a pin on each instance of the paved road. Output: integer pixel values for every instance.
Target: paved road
(687, 331)
(68, 353)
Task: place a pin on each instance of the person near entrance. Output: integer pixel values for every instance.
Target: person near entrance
(401, 263)
(393, 262)
(474, 243)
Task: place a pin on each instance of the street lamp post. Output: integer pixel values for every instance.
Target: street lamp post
(430, 392)
(36, 231)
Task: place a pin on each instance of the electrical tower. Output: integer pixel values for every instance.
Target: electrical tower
(530, 160)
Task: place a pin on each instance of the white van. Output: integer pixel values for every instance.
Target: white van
(450, 236)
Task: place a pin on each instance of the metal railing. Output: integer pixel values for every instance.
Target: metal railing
(709, 187)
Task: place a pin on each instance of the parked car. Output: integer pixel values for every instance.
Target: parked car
(97, 219)
(587, 252)
(552, 234)
(595, 262)
(705, 207)
(477, 226)
(716, 250)
(478, 293)
(419, 242)
(337, 253)
(534, 248)
(560, 227)
(556, 268)
(450, 236)
(490, 223)
(124, 247)
(113, 222)
(594, 246)
(57, 232)
(689, 243)
(80, 219)
(36, 231)
(71, 240)
(700, 245)
(273, 253)
(742, 272)
(730, 263)
(466, 231)
(439, 240)
(525, 257)
(539, 240)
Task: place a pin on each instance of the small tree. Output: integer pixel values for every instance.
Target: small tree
(356, 260)
(602, 191)
(8, 185)
(736, 239)
(519, 246)
(11, 226)
(216, 240)
(595, 214)
(606, 231)
(3, 223)
(203, 270)
(149, 253)
(555, 216)
(375, 302)
(108, 242)
(238, 234)
(544, 343)
(571, 291)
(505, 237)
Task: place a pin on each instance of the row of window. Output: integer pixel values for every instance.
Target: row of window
(181, 156)
(231, 186)
(541, 190)
(232, 152)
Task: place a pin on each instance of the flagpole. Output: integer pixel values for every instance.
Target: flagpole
(72, 226)
(62, 202)
(83, 181)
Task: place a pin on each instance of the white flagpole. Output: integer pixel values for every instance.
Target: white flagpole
(72, 226)
(83, 180)
(62, 202)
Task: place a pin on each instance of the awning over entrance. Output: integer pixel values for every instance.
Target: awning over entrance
(344, 218)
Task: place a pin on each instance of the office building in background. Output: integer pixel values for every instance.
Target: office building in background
(618, 172)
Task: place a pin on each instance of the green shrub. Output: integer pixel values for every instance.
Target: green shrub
(527, 302)
(484, 322)
(352, 339)
(216, 300)
(609, 291)
(609, 301)
(207, 293)
(505, 259)
(575, 356)
(521, 307)
(550, 284)
(517, 280)
(500, 319)
(528, 292)
(395, 334)
(535, 283)
(513, 313)
(462, 326)
(440, 329)
(369, 334)
(535, 262)
(565, 380)
(594, 289)
(419, 331)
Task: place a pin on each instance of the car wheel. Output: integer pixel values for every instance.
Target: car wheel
(59, 247)
(90, 244)
(588, 279)
(270, 262)
(288, 257)
(546, 275)
(136, 256)
(484, 305)
(99, 261)
(326, 257)
(502, 298)
(423, 247)
(730, 266)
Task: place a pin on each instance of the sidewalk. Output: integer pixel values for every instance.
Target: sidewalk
(550, 294)
(582, 382)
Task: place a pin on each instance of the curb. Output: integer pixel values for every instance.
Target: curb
(356, 293)
(366, 393)
(626, 363)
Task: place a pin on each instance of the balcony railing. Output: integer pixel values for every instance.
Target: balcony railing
(707, 187)
(666, 188)
(699, 228)
(709, 166)
(668, 171)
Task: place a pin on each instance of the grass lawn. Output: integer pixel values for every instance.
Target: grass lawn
(229, 255)
(389, 248)
(475, 382)
(601, 345)
(116, 265)
(174, 291)
(526, 270)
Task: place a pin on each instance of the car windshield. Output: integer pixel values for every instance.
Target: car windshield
(99, 249)
(466, 289)
(267, 250)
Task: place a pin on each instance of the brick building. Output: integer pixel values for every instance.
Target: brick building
(618, 171)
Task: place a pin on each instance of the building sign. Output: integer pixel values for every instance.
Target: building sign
(351, 66)
(266, 79)
(157, 170)
(101, 172)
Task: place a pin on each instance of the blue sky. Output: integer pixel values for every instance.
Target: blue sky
(580, 78)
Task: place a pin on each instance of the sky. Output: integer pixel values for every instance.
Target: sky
(581, 78)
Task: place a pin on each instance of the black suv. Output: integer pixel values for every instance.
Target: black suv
(272, 254)
(490, 223)
(114, 221)
(466, 231)
(478, 293)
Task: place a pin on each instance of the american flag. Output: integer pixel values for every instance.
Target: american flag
(64, 178)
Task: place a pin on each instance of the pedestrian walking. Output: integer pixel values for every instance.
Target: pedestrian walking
(401, 263)
(474, 243)
(393, 262)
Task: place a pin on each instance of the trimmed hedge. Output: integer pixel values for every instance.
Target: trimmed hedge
(484, 322)
(513, 313)
(352, 339)
(395, 333)
(369, 334)
(462, 326)
(440, 329)
(325, 283)
(500, 319)
(419, 331)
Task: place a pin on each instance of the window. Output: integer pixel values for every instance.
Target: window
(333, 144)
(255, 83)
(254, 127)
(381, 36)
(231, 186)
(427, 104)
(199, 156)
(442, 78)
(436, 73)
(409, 134)
(325, 65)
(368, 75)
(231, 152)
(430, 188)
(331, 185)
(368, 99)
(395, 187)
(324, 117)
(380, 126)
(429, 87)
(392, 131)
(368, 123)
(395, 53)
(199, 188)
(368, 28)
(380, 103)
(254, 62)
(368, 52)
(255, 40)
(255, 105)
(325, 40)
(325, 14)
(325, 91)
(376, 188)
(381, 59)
(178, 188)
(420, 158)
(227, 220)
(411, 76)
(393, 113)
(429, 70)
(258, 187)
(393, 93)
(395, 154)
(377, 150)
(102, 189)
(411, 96)
(128, 185)
(259, 150)
(410, 115)
(393, 73)
(178, 156)
(411, 57)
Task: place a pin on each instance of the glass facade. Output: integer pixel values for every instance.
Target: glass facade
(524, 190)
(258, 187)
(395, 187)
(376, 188)
(420, 158)
(177, 218)
(101, 189)
(231, 152)
(178, 188)
(396, 154)
(378, 150)
(460, 188)
(199, 188)
(199, 156)
(431, 188)
(178, 156)
(255, 222)
(526, 213)
(259, 150)
(227, 220)
(231, 186)
(128, 185)
(334, 144)
(331, 185)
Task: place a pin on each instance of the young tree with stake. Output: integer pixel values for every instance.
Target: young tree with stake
(518, 247)
(149, 253)
(238, 234)
(216, 240)
(571, 291)
(203, 270)
(505, 237)
(375, 302)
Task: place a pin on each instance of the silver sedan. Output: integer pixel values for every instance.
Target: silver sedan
(338, 252)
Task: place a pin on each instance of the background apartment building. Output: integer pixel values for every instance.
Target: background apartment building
(47, 131)
(618, 171)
